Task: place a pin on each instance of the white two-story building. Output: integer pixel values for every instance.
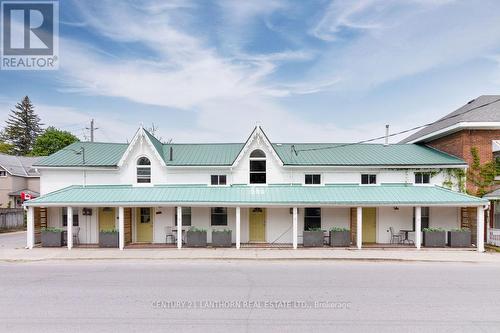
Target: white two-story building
(264, 192)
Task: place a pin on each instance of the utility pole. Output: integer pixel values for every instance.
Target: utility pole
(92, 129)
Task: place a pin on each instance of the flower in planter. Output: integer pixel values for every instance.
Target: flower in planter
(227, 231)
(109, 231)
(339, 229)
(461, 230)
(314, 229)
(433, 229)
(50, 229)
(195, 229)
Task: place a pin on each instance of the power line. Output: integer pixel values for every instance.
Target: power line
(297, 151)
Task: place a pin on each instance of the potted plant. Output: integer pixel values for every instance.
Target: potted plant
(108, 238)
(313, 237)
(459, 237)
(221, 237)
(340, 236)
(196, 237)
(434, 237)
(51, 237)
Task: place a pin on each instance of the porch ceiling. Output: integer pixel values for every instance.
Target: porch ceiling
(243, 195)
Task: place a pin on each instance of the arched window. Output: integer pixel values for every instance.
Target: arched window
(143, 170)
(257, 167)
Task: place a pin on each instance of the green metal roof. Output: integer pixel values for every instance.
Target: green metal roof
(340, 195)
(202, 154)
(224, 154)
(362, 154)
(97, 154)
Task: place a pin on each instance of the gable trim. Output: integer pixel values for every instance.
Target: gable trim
(254, 135)
(140, 135)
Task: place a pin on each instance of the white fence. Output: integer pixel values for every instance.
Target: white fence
(11, 218)
(494, 237)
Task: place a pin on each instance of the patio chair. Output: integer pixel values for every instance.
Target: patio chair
(395, 238)
(76, 232)
(169, 234)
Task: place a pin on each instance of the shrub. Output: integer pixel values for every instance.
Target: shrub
(339, 229)
(195, 229)
(314, 229)
(109, 231)
(50, 229)
(433, 229)
(222, 230)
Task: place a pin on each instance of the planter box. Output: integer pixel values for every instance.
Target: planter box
(313, 238)
(108, 239)
(51, 238)
(434, 238)
(221, 239)
(196, 238)
(459, 238)
(340, 238)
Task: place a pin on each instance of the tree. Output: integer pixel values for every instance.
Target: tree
(51, 141)
(23, 127)
(5, 148)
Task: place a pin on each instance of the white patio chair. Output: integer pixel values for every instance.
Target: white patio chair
(395, 238)
(169, 234)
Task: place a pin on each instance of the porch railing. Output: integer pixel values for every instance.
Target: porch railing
(494, 237)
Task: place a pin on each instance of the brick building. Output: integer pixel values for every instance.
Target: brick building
(472, 129)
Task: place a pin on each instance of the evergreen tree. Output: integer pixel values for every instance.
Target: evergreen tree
(23, 127)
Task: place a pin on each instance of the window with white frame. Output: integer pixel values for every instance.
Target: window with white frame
(219, 216)
(3, 173)
(65, 217)
(143, 170)
(368, 179)
(186, 216)
(218, 180)
(424, 217)
(257, 167)
(312, 179)
(422, 177)
(312, 218)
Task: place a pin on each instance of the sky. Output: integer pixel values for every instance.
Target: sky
(306, 71)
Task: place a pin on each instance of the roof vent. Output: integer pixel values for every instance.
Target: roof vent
(386, 142)
(171, 154)
(471, 101)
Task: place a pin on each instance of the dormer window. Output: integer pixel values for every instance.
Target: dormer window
(143, 170)
(257, 167)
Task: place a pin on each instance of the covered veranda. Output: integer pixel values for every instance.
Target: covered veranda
(285, 205)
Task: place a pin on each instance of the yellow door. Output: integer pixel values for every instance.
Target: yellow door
(144, 225)
(106, 218)
(369, 225)
(257, 220)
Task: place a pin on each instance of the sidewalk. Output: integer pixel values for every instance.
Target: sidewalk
(411, 255)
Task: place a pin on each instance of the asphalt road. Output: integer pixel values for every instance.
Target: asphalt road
(237, 296)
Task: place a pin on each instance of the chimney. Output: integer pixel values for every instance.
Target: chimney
(386, 143)
(171, 154)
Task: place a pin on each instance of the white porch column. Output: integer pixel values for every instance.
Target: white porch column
(418, 227)
(359, 227)
(30, 235)
(179, 227)
(69, 229)
(294, 227)
(121, 227)
(238, 227)
(480, 229)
